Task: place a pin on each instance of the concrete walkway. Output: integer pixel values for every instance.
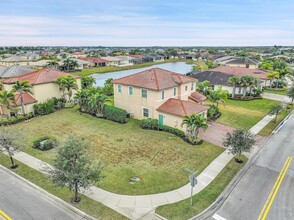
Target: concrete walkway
(143, 206)
(276, 97)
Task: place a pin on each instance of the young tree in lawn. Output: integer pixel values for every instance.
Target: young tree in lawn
(239, 141)
(276, 110)
(194, 123)
(22, 87)
(6, 99)
(234, 81)
(74, 168)
(10, 142)
(290, 93)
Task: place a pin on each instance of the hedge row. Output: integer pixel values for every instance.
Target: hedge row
(14, 120)
(152, 124)
(49, 106)
(115, 114)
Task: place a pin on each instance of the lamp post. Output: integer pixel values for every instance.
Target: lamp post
(193, 182)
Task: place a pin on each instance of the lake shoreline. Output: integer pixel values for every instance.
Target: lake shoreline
(108, 69)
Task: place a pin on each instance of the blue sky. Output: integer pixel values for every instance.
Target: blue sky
(147, 22)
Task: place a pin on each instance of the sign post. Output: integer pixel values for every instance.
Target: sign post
(193, 182)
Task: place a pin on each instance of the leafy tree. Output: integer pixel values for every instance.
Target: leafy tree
(108, 87)
(22, 87)
(52, 64)
(218, 96)
(70, 64)
(87, 81)
(6, 99)
(74, 168)
(290, 93)
(194, 123)
(239, 141)
(276, 110)
(203, 87)
(281, 67)
(10, 142)
(234, 81)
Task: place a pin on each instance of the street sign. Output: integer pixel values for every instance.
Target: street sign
(193, 180)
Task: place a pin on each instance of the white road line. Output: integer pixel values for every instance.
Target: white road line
(218, 217)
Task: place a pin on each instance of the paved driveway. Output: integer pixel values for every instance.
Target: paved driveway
(215, 133)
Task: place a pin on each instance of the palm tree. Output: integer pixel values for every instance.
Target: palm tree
(6, 98)
(52, 64)
(194, 123)
(214, 96)
(87, 81)
(276, 110)
(239, 141)
(67, 82)
(245, 81)
(97, 103)
(234, 81)
(271, 76)
(22, 87)
(223, 95)
(61, 82)
(254, 84)
(290, 93)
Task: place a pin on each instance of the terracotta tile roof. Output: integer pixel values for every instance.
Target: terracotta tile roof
(240, 71)
(27, 98)
(198, 97)
(94, 59)
(38, 77)
(181, 107)
(155, 79)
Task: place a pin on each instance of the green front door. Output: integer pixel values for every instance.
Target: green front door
(160, 120)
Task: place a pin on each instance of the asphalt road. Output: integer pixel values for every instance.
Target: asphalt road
(20, 201)
(252, 192)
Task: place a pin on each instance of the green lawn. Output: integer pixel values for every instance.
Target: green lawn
(126, 150)
(107, 69)
(202, 200)
(279, 92)
(267, 130)
(87, 205)
(244, 114)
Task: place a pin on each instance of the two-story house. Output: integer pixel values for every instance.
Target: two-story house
(159, 94)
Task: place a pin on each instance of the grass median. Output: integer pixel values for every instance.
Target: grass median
(202, 200)
(87, 205)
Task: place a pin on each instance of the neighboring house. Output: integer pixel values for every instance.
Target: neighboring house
(20, 60)
(78, 54)
(242, 62)
(43, 83)
(125, 60)
(153, 58)
(136, 59)
(12, 71)
(113, 61)
(159, 94)
(96, 61)
(219, 77)
(82, 64)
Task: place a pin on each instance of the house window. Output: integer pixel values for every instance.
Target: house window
(119, 88)
(186, 88)
(146, 112)
(175, 91)
(162, 94)
(240, 90)
(131, 90)
(192, 87)
(144, 93)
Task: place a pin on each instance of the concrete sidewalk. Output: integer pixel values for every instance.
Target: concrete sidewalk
(276, 97)
(143, 206)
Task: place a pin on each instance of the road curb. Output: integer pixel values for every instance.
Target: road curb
(59, 201)
(214, 207)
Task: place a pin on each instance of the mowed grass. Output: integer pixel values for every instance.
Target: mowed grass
(279, 92)
(244, 114)
(89, 206)
(270, 127)
(159, 158)
(203, 199)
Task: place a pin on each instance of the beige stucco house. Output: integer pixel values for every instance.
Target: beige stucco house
(159, 94)
(43, 84)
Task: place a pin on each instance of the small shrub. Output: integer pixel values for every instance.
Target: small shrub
(48, 143)
(150, 124)
(115, 114)
(44, 108)
(15, 120)
(213, 112)
(172, 130)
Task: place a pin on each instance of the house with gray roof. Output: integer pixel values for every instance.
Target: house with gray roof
(13, 71)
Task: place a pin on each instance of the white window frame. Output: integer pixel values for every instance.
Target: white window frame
(132, 88)
(143, 112)
(119, 88)
(142, 93)
(175, 91)
(162, 95)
